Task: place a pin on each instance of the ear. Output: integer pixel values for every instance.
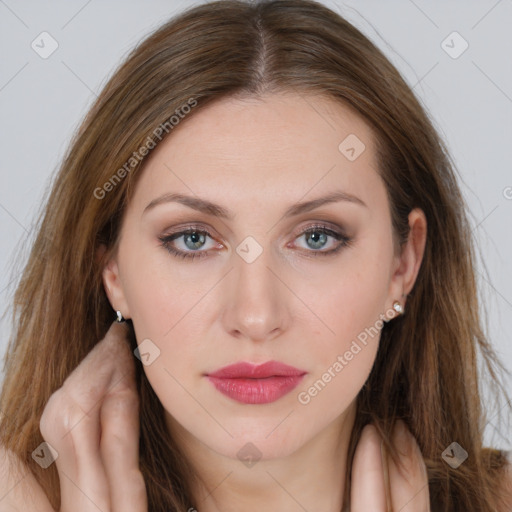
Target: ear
(409, 261)
(112, 283)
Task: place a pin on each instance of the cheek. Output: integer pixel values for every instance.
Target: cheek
(344, 353)
(329, 393)
(351, 308)
(343, 301)
(167, 308)
(160, 291)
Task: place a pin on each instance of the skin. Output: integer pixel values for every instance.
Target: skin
(255, 158)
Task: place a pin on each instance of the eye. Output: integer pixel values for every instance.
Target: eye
(317, 236)
(194, 238)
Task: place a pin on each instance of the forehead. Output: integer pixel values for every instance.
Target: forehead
(282, 145)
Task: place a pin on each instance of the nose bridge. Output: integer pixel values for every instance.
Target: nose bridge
(256, 307)
(252, 266)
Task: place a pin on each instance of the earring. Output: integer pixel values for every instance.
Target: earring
(398, 307)
(119, 316)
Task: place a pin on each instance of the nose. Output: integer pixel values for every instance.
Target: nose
(256, 299)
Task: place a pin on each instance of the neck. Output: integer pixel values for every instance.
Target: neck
(310, 478)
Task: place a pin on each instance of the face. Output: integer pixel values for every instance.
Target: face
(306, 286)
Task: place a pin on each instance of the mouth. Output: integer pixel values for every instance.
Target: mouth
(256, 384)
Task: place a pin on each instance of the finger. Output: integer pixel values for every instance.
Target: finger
(82, 476)
(367, 489)
(75, 435)
(120, 451)
(111, 361)
(71, 422)
(408, 481)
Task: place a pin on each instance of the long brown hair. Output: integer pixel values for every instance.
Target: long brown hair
(426, 367)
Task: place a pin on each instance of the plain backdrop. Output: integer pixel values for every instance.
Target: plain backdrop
(455, 54)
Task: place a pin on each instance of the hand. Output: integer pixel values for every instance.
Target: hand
(399, 491)
(93, 423)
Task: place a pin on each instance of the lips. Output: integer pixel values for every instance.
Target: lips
(251, 371)
(256, 384)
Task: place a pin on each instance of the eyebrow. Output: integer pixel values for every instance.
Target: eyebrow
(216, 210)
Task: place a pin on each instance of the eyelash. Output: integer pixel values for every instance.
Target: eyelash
(317, 228)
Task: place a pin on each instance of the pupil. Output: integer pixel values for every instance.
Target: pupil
(196, 238)
(316, 236)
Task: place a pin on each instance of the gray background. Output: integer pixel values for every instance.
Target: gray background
(469, 98)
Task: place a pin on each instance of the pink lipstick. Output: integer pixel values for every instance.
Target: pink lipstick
(248, 383)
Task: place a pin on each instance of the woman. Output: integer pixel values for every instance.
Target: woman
(261, 197)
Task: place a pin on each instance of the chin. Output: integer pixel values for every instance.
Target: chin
(252, 448)
(263, 438)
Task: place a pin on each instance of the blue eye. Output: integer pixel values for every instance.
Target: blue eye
(319, 236)
(194, 238)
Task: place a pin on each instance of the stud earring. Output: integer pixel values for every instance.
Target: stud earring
(119, 316)
(398, 307)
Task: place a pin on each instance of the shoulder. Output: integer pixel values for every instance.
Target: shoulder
(19, 490)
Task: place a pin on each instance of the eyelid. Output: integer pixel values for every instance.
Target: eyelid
(319, 224)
